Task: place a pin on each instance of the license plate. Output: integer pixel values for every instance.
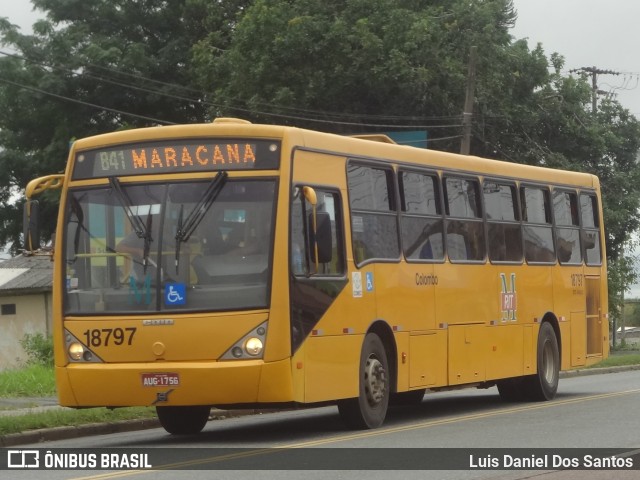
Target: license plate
(160, 380)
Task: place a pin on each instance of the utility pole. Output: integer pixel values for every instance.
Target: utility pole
(594, 72)
(465, 146)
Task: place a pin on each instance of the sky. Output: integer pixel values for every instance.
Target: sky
(589, 33)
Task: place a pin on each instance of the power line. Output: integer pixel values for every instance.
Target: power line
(594, 72)
(87, 104)
(156, 120)
(251, 111)
(294, 109)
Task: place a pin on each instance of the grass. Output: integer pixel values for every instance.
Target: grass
(38, 381)
(30, 381)
(620, 359)
(63, 417)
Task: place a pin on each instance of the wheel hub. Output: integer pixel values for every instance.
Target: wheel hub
(375, 380)
(548, 363)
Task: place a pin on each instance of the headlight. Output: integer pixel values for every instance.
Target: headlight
(76, 351)
(253, 346)
(250, 346)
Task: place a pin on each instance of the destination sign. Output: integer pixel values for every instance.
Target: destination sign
(185, 155)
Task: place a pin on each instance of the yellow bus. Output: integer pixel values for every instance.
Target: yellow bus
(237, 265)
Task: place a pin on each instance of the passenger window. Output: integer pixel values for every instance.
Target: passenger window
(537, 230)
(589, 211)
(463, 198)
(420, 193)
(374, 224)
(590, 229)
(465, 229)
(500, 201)
(565, 209)
(503, 222)
(421, 220)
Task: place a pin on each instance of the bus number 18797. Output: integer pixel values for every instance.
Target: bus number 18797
(99, 337)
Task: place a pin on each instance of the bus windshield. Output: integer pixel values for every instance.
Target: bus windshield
(154, 247)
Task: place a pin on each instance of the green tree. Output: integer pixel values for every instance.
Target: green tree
(93, 66)
(379, 64)
(345, 66)
(354, 64)
(555, 127)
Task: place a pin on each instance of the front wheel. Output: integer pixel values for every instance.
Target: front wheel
(369, 409)
(183, 420)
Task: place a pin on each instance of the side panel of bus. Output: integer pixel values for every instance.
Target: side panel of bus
(453, 323)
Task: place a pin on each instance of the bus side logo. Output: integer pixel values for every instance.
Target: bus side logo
(508, 298)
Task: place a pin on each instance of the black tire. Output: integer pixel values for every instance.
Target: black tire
(544, 384)
(369, 409)
(413, 397)
(511, 389)
(183, 420)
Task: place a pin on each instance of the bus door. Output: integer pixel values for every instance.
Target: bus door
(594, 316)
(324, 317)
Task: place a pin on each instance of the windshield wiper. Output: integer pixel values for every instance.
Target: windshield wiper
(147, 244)
(141, 230)
(188, 226)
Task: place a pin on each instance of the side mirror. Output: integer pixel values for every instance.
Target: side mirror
(31, 225)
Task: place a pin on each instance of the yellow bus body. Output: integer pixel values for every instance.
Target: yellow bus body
(441, 322)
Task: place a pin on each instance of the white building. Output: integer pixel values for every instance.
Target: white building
(25, 304)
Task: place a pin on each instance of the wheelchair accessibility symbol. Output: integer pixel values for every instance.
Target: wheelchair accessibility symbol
(175, 294)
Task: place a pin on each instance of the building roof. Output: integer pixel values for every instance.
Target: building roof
(26, 274)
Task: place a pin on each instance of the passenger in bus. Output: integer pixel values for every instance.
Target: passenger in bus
(133, 247)
(214, 242)
(134, 264)
(429, 242)
(565, 250)
(235, 238)
(256, 242)
(497, 243)
(537, 252)
(426, 252)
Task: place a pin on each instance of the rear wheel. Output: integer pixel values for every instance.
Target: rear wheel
(369, 409)
(183, 420)
(544, 384)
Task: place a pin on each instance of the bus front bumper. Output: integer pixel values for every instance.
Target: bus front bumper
(174, 383)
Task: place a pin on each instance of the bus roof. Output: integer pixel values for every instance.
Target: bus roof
(363, 148)
(436, 159)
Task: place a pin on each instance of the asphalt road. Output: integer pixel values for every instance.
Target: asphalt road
(596, 412)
